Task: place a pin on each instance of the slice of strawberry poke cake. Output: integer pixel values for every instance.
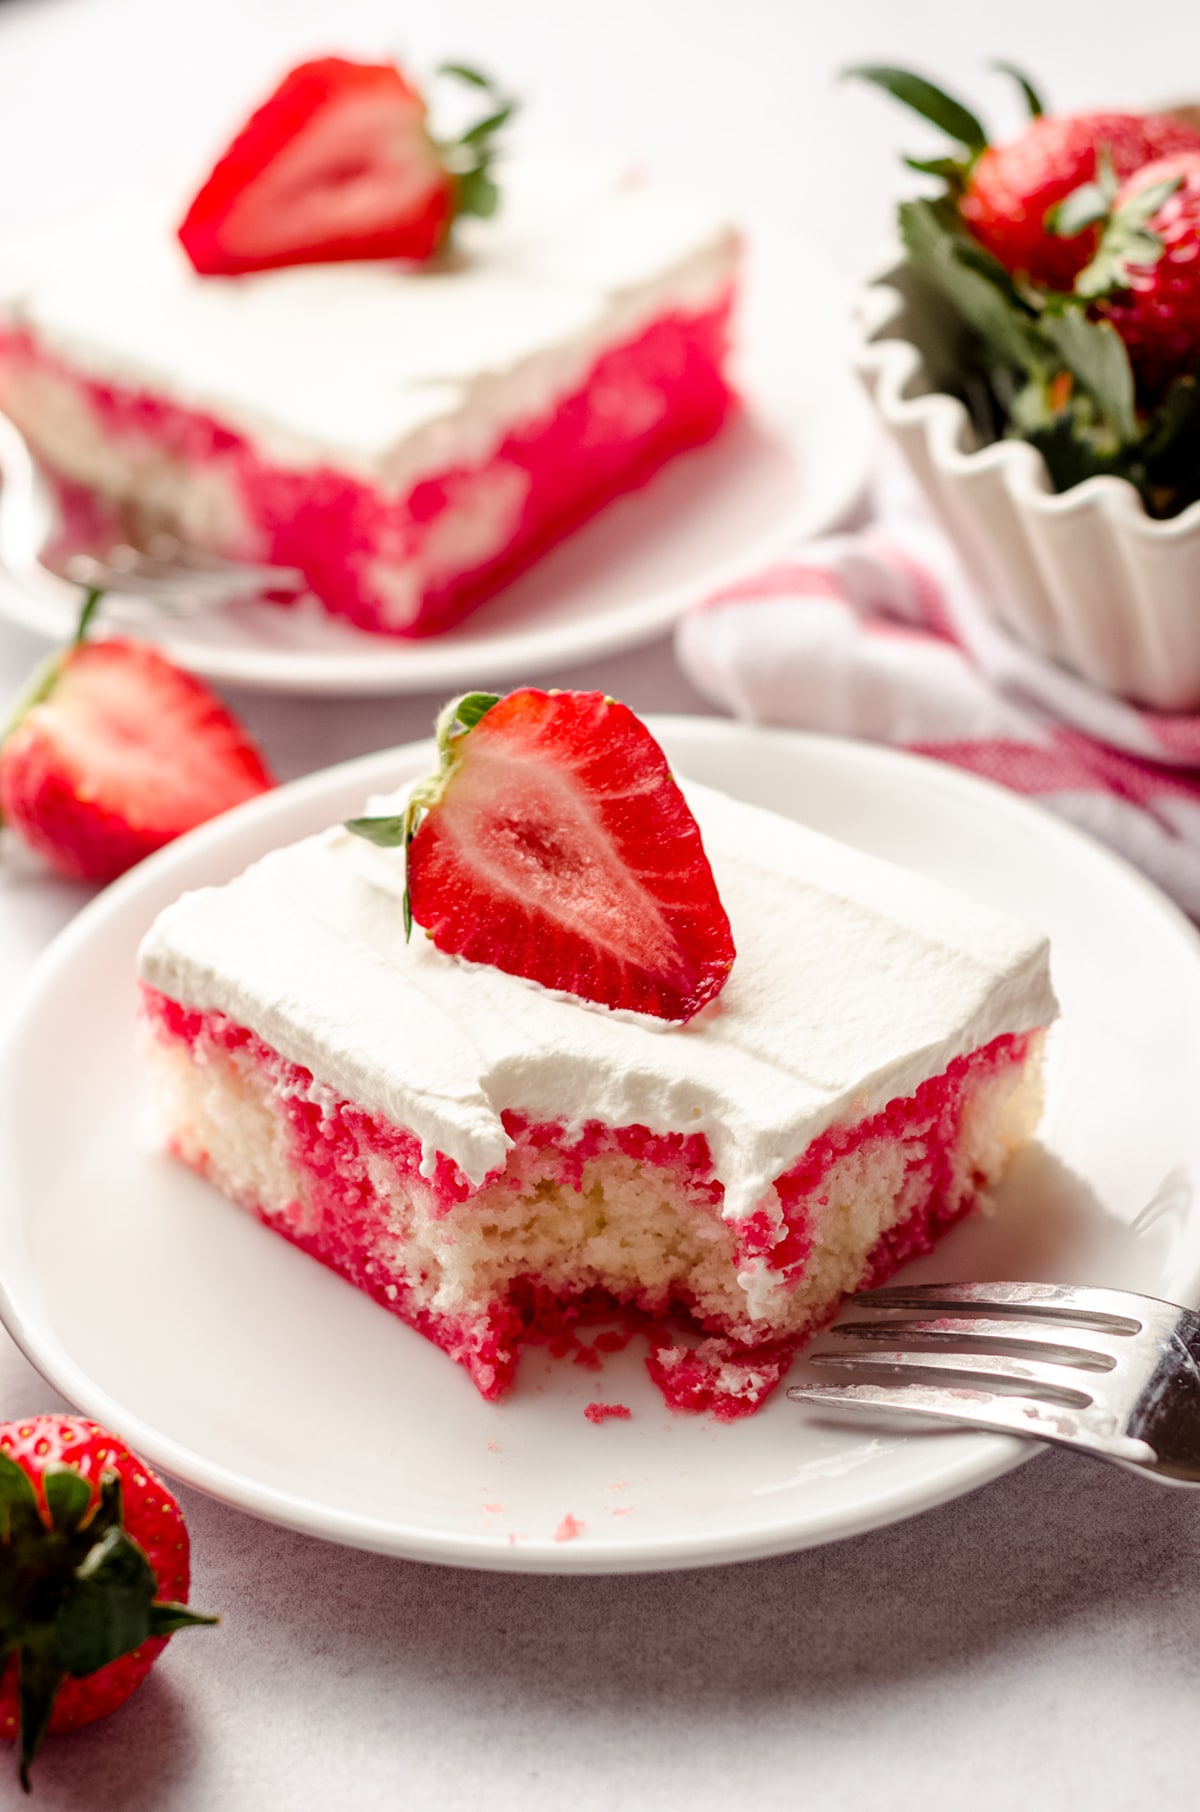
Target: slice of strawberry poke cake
(355, 354)
(648, 1053)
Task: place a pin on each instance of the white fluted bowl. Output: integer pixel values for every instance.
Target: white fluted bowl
(1085, 575)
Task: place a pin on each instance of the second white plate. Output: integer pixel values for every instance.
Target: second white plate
(236, 1363)
(790, 465)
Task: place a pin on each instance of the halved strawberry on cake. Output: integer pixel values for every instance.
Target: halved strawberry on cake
(335, 365)
(650, 1053)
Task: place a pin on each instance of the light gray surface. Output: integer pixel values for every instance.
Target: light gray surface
(1036, 1645)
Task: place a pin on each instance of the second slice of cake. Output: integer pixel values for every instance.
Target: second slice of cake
(493, 1162)
(407, 436)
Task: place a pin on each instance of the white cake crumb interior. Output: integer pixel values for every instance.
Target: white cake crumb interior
(634, 1228)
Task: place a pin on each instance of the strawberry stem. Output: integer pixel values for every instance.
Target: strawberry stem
(469, 158)
(44, 677)
(90, 605)
(454, 721)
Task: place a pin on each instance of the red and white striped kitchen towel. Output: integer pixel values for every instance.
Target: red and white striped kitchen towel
(880, 634)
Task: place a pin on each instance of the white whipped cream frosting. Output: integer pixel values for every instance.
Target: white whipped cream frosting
(387, 369)
(854, 982)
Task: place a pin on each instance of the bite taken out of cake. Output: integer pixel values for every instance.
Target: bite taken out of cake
(335, 366)
(651, 1054)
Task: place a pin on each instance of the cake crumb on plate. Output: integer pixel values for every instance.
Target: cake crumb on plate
(608, 1412)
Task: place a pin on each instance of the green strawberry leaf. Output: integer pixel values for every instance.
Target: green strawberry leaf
(1069, 454)
(465, 73)
(468, 709)
(1087, 205)
(478, 194)
(469, 158)
(1032, 98)
(16, 1492)
(978, 288)
(1128, 242)
(165, 1619)
(491, 122)
(1094, 353)
(1170, 450)
(68, 1497)
(396, 833)
(453, 722)
(947, 169)
(931, 102)
(39, 1678)
(388, 833)
(1176, 419)
(1084, 207)
(109, 1511)
(107, 1611)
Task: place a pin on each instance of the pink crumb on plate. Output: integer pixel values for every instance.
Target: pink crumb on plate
(608, 1412)
(569, 1528)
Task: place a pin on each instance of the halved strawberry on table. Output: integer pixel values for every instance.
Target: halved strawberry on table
(113, 752)
(554, 843)
(339, 163)
(94, 1575)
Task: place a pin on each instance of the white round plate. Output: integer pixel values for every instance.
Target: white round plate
(790, 464)
(241, 1366)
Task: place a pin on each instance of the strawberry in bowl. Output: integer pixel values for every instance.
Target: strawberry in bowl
(1036, 352)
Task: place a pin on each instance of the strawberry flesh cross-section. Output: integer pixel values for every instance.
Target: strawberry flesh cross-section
(553, 843)
(339, 163)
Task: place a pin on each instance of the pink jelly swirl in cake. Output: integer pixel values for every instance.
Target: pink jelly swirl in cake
(576, 1228)
(498, 1165)
(411, 563)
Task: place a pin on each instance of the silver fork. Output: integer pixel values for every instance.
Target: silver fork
(167, 577)
(1102, 1371)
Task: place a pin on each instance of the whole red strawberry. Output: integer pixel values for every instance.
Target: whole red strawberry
(554, 843)
(1007, 194)
(339, 163)
(1013, 187)
(114, 752)
(1155, 304)
(94, 1576)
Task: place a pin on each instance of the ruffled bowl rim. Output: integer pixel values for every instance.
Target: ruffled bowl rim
(895, 366)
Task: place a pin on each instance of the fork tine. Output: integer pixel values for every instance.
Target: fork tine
(1060, 1302)
(1003, 1415)
(982, 1371)
(1074, 1344)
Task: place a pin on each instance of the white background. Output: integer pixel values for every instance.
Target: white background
(1034, 1646)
